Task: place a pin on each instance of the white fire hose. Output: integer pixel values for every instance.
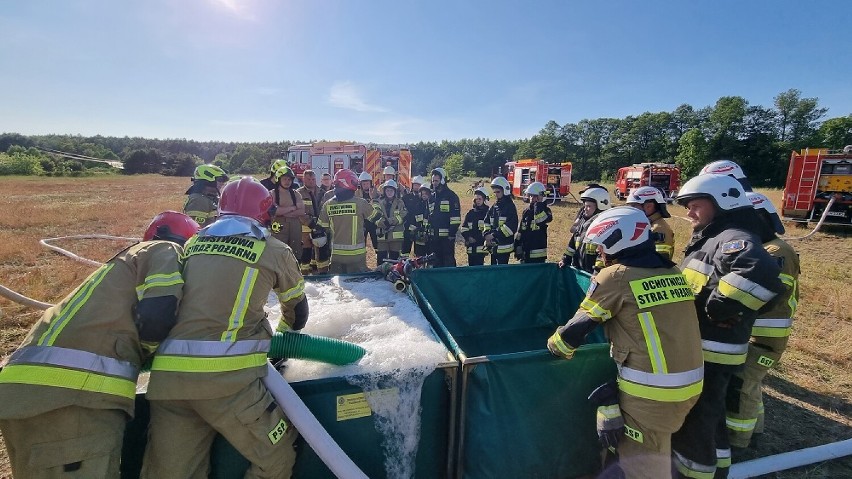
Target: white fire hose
(789, 460)
(819, 224)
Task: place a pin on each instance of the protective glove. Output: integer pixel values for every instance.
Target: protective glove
(559, 348)
(610, 423)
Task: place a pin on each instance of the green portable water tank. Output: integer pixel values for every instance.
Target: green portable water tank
(522, 412)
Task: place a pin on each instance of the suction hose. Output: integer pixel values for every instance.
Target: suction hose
(399, 285)
(309, 427)
(316, 348)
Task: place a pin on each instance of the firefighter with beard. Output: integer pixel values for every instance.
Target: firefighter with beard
(203, 196)
(390, 224)
(650, 200)
(444, 219)
(343, 218)
(314, 258)
(473, 226)
(290, 208)
(532, 232)
(67, 392)
(733, 279)
(207, 376)
(579, 254)
(411, 199)
(646, 308)
(420, 229)
(501, 222)
(769, 336)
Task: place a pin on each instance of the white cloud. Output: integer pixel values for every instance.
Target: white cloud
(345, 95)
(238, 8)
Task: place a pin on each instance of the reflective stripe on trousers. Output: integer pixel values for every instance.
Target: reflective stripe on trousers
(664, 387)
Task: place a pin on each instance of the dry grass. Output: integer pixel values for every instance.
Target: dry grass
(813, 378)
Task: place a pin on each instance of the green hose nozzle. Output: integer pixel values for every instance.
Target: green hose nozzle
(315, 348)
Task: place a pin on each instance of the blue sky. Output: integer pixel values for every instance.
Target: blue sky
(404, 70)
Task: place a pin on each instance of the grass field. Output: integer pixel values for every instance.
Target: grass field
(809, 398)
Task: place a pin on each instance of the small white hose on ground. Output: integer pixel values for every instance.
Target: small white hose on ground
(789, 460)
(19, 298)
(819, 224)
(309, 427)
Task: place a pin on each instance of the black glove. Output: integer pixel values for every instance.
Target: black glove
(610, 423)
(312, 223)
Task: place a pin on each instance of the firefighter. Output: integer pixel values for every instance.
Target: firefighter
(532, 232)
(733, 278)
(473, 226)
(501, 222)
(314, 259)
(343, 217)
(290, 208)
(444, 220)
(579, 254)
(270, 183)
(420, 229)
(207, 376)
(646, 308)
(368, 193)
(68, 391)
(325, 183)
(769, 336)
(390, 224)
(203, 196)
(730, 168)
(411, 199)
(389, 174)
(650, 200)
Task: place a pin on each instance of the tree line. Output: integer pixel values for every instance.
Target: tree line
(759, 138)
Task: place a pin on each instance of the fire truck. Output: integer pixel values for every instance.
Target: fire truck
(814, 177)
(333, 156)
(663, 176)
(556, 177)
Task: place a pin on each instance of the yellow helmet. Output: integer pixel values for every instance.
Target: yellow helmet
(284, 171)
(210, 173)
(277, 164)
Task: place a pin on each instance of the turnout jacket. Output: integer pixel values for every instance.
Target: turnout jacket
(222, 336)
(663, 235)
(733, 278)
(445, 217)
(472, 227)
(313, 203)
(419, 227)
(581, 255)
(502, 221)
(86, 350)
(202, 208)
(345, 220)
(649, 317)
(772, 328)
(533, 229)
(390, 224)
(284, 198)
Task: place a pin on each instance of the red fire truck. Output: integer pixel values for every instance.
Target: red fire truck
(663, 176)
(332, 156)
(814, 177)
(556, 177)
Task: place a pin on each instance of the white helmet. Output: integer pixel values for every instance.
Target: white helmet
(482, 191)
(725, 191)
(500, 182)
(536, 188)
(417, 180)
(727, 167)
(647, 193)
(389, 170)
(762, 204)
(599, 195)
(618, 229)
(442, 173)
(364, 176)
(390, 184)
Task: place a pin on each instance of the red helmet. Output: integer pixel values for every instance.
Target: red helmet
(246, 197)
(171, 226)
(346, 179)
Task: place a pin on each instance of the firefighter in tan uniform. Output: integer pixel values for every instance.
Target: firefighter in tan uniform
(344, 216)
(646, 308)
(203, 196)
(207, 376)
(390, 226)
(286, 223)
(67, 392)
(313, 258)
(650, 200)
(579, 253)
(769, 336)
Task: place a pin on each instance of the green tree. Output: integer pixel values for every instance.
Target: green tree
(836, 133)
(693, 153)
(454, 164)
(797, 116)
